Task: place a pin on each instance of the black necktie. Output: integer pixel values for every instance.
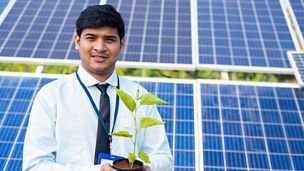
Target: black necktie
(102, 140)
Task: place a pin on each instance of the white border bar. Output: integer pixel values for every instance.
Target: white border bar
(249, 83)
(188, 67)
(42, 61)
(194, 32)
(39, 61)
(230, 68)
(294, 29)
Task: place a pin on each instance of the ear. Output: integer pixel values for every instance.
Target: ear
(122, 44)
(77, 41)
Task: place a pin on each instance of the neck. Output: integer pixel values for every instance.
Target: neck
(101, 76)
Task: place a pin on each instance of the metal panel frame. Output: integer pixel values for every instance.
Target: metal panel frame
(295, 68)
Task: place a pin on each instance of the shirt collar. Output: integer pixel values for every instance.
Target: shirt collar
(89, 80)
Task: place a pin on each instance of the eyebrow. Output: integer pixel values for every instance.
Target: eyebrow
(111, 37)
(108, 37)
(90, 34)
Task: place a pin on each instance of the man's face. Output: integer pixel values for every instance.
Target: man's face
(99, 49)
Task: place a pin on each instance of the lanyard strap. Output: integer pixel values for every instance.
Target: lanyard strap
(95, 108)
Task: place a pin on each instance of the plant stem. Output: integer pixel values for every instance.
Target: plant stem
(135, 136)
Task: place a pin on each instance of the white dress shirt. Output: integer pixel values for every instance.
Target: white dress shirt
(62, 129)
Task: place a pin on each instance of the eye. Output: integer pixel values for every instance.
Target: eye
(110, 40)
(90, 38)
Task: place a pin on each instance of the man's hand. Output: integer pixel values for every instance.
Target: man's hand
(107, 167)
(146, 168)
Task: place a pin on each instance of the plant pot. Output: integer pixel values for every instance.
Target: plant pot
(123, 165)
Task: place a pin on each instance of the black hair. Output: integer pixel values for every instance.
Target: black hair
(98, 16)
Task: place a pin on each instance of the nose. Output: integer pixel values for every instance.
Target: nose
(100, 46)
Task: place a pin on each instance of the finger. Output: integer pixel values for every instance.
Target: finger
(107, 167)
(146, 168)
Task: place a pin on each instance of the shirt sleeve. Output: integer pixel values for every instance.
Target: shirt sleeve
(39, 152)
(156, 145)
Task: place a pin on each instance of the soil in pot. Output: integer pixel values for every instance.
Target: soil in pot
(123, 165)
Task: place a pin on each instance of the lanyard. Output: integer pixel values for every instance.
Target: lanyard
(96, 110)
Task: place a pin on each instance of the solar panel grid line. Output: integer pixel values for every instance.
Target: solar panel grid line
(14, 26)
(228, 31)
(144, 31)
(22, 124)
(260, 32)
(212, 31)
(28, 29)
(129, 27)
(244, 33)
(222, 128)
(102, 2)
(176, 31)
(275, 31)
(65, 17)
(242, 127)
(197, 125)
(44, 29)
(194, 32)
(283, 127)
(174, 125)
(161, 20)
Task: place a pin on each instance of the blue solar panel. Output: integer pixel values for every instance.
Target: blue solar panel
(41, 29)
(157, 31)
(18, 93)
(243, 33)
(255, 127)
(3, 4)
(297, 62)
(15, 101)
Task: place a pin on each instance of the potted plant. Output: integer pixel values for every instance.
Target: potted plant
(133, 104)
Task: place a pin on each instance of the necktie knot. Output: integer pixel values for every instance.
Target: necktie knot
(102, 87)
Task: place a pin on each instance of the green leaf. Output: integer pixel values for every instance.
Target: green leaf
(131, 158)
(122, 134)
(150, 99)
(148, 122)
(127, 99)
(144, 157)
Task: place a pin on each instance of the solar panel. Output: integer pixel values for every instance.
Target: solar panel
(241, 33)
(297, 62)
(41, 29)
(251, 126)
(298, 9)
(157, 31)
(17, 94)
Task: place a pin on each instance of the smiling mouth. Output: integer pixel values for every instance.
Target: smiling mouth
(99, 58)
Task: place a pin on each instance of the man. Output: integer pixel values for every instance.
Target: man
(63, 125)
